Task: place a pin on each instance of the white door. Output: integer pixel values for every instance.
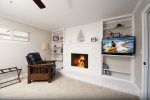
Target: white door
(145, 93)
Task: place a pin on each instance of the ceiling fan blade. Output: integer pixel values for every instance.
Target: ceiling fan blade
(39, 4)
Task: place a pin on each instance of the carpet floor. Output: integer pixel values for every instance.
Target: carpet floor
(61, 88)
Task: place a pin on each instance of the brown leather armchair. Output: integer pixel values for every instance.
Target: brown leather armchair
(39, 69)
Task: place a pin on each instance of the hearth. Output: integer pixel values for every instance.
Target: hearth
(79, 60)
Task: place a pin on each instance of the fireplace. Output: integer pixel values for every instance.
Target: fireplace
(79, 60)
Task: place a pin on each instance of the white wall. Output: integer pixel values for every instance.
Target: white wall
(13, 54)
(89, 31)
(93, 49)
(87, 47)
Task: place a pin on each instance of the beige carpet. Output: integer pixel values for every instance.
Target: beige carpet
(61, 88)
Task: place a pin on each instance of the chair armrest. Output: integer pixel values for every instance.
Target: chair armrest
(40, 65)
(50, 61)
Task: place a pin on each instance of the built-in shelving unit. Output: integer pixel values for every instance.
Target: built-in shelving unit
(57, 46)
(114, 66)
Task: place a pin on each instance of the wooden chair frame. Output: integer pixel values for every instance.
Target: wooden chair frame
(39, 72)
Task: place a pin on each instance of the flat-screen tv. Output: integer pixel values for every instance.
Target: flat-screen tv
(119, 45)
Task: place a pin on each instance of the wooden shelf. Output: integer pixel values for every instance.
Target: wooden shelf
(130, 56)
(58, 53)
(58, 47)
(126, 77)
(98, 42)
(57, 41)
(116, 71)
(113, 28)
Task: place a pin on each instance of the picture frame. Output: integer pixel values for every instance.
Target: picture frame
(116, 35)
(94, 39)
(55, 38)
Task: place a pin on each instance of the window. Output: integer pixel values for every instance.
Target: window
(5, 34)
(13, 35)
(21, 36)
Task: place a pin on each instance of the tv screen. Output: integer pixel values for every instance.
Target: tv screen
(119, 46)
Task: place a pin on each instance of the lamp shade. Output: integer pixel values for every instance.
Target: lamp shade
(45, 46)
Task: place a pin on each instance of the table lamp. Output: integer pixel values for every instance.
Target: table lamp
(45, 47)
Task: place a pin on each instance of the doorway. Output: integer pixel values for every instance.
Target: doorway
(145, 92)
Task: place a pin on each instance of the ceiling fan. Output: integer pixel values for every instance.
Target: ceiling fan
(40, 4)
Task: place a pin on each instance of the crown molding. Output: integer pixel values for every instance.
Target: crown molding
(137, 6)
(25, 23)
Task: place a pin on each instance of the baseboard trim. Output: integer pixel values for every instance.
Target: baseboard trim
(138, 90)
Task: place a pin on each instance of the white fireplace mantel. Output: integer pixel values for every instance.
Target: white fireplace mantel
(99, 43)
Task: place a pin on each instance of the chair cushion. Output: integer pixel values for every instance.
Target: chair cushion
(34, 58)
(31, 59)
(37, 56)
(39, 62)
(28, 60)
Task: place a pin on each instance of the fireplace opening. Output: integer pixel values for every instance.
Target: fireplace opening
(79, 60)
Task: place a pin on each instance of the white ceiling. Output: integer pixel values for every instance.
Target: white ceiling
(64, 13)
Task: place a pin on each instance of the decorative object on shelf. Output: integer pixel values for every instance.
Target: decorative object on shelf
(55, 38)
(55, 51)
(116, 34)
(125, 35)
(61, 50)
(109, 34)
(61, 38)
(55, 45)
(80, 37)
(105, 66)
(106, 70)
(119, 25)
(94, 39)
(45, 47)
